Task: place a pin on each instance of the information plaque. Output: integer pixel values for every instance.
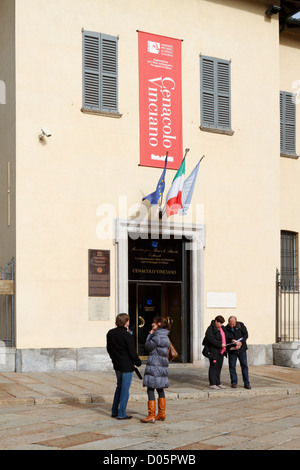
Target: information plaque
(6, 287)
(99, 273)
(99, 308)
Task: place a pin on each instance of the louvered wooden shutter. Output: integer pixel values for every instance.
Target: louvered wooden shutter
(215, 93)
(91, 68)
(207, 92)
(287, 123)
(109, 97)
(223, 94)
(100, 72)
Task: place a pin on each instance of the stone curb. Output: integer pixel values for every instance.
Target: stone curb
(142, 397)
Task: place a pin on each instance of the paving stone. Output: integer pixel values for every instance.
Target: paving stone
(198, 446)
(71, 410)
(72, 440)
(292, 444)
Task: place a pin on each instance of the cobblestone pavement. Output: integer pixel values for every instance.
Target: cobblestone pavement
(255, 423)
(265, 417)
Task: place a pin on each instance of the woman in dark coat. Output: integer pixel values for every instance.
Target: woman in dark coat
(215, 349)
(157, 368)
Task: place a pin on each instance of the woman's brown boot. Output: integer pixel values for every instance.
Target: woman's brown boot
(161, 409)
(151, 413)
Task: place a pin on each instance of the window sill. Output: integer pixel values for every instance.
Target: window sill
(101, 113)
(289, 155)
(215, 130)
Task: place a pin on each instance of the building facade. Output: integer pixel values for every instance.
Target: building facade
(85, 244)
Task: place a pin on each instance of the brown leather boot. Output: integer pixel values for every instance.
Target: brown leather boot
(161, 415)
(151, 413)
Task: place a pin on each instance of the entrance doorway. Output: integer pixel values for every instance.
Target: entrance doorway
(157, 295)
(192, 297)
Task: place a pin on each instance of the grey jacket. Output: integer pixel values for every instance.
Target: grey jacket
(157, 367)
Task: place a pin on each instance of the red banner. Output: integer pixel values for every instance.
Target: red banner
(160, 100)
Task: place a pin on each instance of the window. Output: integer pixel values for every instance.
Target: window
(100, 73)
(289, 260)
(215, 95)
(287, 124)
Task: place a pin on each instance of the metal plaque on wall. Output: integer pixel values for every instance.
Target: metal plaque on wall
(99, 273)
(6, 287)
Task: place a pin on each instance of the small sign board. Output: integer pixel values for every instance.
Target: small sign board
(99, 308)
(6, 287)
(99, 273)
(155, 260)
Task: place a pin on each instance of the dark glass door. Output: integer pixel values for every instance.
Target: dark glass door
(147, 301)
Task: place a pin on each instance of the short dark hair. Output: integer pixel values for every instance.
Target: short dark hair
(122, 319)
(220, 319)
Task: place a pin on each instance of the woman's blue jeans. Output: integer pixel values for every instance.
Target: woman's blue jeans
(121, 397)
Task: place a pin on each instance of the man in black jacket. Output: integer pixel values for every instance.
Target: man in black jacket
(120, 346)
(237, 334)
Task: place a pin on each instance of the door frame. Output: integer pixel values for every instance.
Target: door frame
(195, 233)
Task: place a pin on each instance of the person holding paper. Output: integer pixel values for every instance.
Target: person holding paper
(237, 335)
(215, 349)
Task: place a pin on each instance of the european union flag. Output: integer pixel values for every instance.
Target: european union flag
(154, 197)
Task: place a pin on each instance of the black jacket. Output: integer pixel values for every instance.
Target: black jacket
(120, 346)
(238, 332)
(212, 341)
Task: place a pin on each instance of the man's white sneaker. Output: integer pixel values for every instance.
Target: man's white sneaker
(214, 387)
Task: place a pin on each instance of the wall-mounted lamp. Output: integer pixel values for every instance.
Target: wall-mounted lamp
(273, 10)
(44, 133)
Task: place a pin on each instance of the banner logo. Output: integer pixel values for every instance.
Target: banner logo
(153, 47)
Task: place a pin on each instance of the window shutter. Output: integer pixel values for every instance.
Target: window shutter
(223, 94)
(100, 71)
(207, 92)
(215, 93)
(287, 123)
(281, 122)
(109, 70)
(91, 68)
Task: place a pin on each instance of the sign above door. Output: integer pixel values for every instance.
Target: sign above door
(155, 260)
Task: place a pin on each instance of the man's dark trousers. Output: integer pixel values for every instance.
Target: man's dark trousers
(244, 366)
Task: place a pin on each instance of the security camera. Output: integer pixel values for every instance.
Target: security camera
(273, 10)
(44, 133)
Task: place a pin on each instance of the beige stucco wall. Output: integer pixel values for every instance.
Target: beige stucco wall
(92, 160)
(7, 129)
(289, 168)
(240, 181)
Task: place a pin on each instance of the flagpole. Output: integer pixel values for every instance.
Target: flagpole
(186, 152)
(162, 194)
(160, 211)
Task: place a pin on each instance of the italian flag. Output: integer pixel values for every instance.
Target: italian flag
(174, 202)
